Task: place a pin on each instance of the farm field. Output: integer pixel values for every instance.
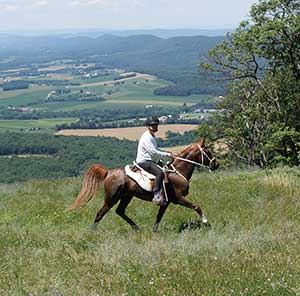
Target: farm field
(42, 124)
(130, 133)
(107, 81)
(251, 249)
(107, 92)
(23, 96)
(134, 90)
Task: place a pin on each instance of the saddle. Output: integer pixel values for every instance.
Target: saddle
(144, 179)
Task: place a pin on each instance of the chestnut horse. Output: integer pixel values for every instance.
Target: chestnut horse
(119, 187)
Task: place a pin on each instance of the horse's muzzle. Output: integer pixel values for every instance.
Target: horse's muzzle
(214, 165)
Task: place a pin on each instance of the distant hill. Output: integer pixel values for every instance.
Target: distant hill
(162, 33)
(177, 53)
(170, 58)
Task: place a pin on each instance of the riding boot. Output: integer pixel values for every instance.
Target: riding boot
(159, 199)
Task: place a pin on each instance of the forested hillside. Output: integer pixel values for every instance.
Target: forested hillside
(30, 156)
(174, 59)
(25, 156)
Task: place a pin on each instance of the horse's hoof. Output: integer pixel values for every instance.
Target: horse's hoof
(155, 228)
(135, 227)
(207, 224)
(94, 227)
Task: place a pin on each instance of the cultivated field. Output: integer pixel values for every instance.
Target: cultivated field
(251, 249)
(108, 82)
(33, 124)
(130, 133)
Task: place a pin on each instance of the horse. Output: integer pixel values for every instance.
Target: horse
(118, 187)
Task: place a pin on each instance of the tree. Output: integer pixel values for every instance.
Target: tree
(261, 58)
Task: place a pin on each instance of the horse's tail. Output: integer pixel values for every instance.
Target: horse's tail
(92, 180)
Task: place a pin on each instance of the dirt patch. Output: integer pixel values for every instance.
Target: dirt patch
(130, 133)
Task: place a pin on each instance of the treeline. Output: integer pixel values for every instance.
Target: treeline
(189, 83)
(108, 118)
(53, 82)
(73, 97)
(15, 84)
(103, 115)
(35, 156)
(49, 156)
(86, 123)
(177, 139)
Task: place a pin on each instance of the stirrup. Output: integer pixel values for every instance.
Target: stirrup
(159, 200)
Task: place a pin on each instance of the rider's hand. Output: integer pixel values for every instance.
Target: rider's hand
(171, 155)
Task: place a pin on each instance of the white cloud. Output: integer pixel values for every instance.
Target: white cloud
(8, 7)
(117, 14)
(40, 3)
(108, 3)
(88, 2)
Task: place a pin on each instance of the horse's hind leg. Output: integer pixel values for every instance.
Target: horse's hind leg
(121, 211)
(184, 202)
(106, 207)
(109, 202)
(159, 216)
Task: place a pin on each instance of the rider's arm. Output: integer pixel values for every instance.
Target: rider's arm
(152, 148)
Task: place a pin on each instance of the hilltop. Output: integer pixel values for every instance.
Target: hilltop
(252, 248)
(142, 51)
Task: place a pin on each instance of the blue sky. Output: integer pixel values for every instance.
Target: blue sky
(121, 14)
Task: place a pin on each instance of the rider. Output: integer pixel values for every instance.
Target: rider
(148, 154)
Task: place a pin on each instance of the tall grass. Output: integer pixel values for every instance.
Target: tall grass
(253, 247)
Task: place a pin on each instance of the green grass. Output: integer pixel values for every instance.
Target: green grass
(144, 91)
(93, 80)
(124, 94)
(252, 248)
(23, 97)
(27, 124)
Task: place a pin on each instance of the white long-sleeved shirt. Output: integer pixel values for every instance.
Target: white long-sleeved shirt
(148, 149)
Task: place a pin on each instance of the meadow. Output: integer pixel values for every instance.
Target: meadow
(42, 124)
(251, 249)
(137, 90)
(23, 97)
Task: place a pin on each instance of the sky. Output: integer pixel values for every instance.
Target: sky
(39, 15)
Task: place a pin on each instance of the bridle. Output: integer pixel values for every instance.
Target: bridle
(203, 153)
(201, 164)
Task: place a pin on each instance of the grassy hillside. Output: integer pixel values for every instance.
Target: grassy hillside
(252, 248)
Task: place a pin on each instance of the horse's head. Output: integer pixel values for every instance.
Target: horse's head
(204, 156)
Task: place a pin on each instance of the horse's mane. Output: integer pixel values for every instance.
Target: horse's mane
(185, 152)
(190, 147)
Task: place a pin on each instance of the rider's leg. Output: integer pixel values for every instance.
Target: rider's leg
(152, 168)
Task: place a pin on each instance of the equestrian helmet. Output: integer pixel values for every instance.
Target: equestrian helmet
(152, 120)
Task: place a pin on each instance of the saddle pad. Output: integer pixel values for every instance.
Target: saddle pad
(143, 178)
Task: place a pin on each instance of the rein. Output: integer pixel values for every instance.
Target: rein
(174, 170)
(202, 159)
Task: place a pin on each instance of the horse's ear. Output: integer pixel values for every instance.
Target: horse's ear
(201, 142)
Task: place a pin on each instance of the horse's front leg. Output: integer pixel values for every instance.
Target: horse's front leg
(160, 214)
(184, 202)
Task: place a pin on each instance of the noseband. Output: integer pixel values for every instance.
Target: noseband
(203, 153)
